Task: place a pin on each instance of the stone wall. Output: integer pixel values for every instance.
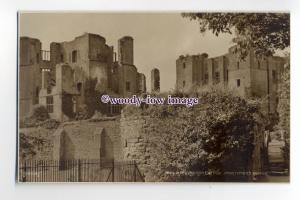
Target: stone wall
(135, 145)
(88, 140)
(250, 77)
(81, 45)
(62, 93)
(128, 80)
(101, 60)
(189, 71)
(184, 72)
(141, 83)
(135, 132)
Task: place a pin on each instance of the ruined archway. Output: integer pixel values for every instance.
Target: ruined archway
(105, 145)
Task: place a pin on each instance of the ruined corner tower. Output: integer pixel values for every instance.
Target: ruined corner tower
(125, 50)
(155, 80)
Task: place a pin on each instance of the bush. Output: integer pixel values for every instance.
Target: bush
(82, 113)
(28, 122)
(284, 112)
(214, 136)
(50, 124)
(39, 117)
(40, 113)
(28, 146)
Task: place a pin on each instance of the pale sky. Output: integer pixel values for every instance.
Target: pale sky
(159, 39)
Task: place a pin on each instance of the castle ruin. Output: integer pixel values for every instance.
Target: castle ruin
(249, 77)
(56, 78)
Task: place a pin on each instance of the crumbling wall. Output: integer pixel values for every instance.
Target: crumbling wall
(190, 71)
(64, 148)
(141, 83)
(56, 57)
(88, 140)
(81, 45)
(128, 80)
(99, 70)
(134, 134)
(101, 59)
(155, 80)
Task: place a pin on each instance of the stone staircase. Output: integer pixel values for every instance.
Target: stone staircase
(276, 159)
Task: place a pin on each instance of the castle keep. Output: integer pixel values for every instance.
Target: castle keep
(56, 78)
(250, 77)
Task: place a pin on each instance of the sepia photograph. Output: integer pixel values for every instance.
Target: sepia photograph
(153, 97)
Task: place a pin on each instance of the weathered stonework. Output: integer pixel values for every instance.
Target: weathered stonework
(135, 132)
(68, 66)
(135, 143)
(29, 74)
(251, 77)
(88, 140)
(155, 80)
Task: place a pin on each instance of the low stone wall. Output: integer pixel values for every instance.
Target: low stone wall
(135, 132)
(88, 140)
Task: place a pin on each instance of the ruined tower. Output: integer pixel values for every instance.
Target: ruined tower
(141, 83)
(191, 70)
(29, 74)
(155, 80)
(128, 71)
(125, 51)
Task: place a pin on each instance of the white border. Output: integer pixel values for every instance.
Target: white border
(8, 53)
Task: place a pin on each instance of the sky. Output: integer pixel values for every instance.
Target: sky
(159, 38)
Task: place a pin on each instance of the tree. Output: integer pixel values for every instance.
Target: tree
(263, 32)
(284, 111)
(93, 90)
(216, 136)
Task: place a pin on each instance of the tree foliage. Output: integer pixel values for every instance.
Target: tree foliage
(40, 113)
(28, 146)
(203, 142)
(284, 111)
(262, 32)
(39, 117)
(92, 101)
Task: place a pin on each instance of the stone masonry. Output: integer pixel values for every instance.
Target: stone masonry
(251, 77)
(135, 143)
(56, 78)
